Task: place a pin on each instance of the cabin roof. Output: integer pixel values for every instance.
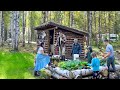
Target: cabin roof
(49, 25)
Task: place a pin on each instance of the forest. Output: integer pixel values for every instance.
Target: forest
(19, 25)
(17, 32)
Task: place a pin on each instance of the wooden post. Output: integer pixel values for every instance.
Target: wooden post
(54, 41)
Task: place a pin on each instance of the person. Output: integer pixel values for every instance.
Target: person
(88, 54)
(76, 49)
(109, 55)
(42, 59)
(95, 65)
(38, 45)
(61, 40)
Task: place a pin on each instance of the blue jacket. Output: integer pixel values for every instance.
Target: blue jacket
(95, 64)
(76, 49)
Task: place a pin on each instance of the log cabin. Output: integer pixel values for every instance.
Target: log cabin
(52, 29)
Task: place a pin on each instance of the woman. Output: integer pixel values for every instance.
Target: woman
(88, 55)
(42, 60)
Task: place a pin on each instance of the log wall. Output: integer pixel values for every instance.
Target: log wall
(70, 38)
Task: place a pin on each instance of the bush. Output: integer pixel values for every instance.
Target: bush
(116, 45)
(100, 44)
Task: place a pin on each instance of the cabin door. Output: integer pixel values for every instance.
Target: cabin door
(51, 42)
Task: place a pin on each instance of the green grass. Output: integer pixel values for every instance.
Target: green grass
(16, 65)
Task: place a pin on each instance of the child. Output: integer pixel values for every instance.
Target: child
(95, 65)
(88, 55)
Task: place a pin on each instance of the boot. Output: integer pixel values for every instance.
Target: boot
(63, 57)
(36, 73)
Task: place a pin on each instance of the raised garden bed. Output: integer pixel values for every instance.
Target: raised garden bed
(72, 69)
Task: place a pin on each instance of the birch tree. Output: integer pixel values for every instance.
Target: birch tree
(29, 23)
(23, 26)
(15, 29)
(0, 27)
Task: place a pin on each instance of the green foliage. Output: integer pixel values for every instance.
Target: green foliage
(100, 44)
(34, 18)
(6, 16)
(102, 62)
(116, 45)
(73, 65)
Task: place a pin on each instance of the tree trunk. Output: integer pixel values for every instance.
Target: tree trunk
(28, 35)
(105, 22)
(89, 14)
(85, 20)
(23, 26)
(50, 15)
(109, 23)
(115, 25)
(0, 28)
(44, 14)
(99, 26)
(71, 19)
(9, 33)
(11, 27)
(15, 29)
(28, 28)
(95, 26)
(31, 25)
(5, 33)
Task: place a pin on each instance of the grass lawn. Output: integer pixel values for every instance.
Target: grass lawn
(19, 65)
(16, 65)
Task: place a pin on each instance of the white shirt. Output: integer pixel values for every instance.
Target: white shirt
(39, 50)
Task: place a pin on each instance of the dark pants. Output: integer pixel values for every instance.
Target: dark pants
(95, 74)
(110, 61)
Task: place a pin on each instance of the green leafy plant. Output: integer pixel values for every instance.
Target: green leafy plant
(72, 65)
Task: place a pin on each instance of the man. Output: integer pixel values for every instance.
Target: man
(109, 55)
(61, 40)
(76, 49)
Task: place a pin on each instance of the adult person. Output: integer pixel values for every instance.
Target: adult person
(42, 59)
(76, 49)
(109, 55)
(61, 41)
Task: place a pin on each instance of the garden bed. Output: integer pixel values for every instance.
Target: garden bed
(72, 69)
